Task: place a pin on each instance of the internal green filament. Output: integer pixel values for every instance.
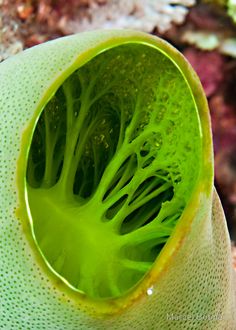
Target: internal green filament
(113, 161)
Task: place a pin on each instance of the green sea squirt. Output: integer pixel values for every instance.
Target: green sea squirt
(113, 162)
(109, 216)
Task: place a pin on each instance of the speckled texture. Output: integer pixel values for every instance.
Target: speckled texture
(195, 291)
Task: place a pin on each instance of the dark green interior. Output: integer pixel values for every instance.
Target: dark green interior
(113, 161)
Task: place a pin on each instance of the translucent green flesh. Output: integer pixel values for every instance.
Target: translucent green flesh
(112, 164)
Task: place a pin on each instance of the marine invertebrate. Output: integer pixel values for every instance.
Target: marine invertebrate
(114, 189)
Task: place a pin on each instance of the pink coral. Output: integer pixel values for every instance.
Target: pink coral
(209, 67)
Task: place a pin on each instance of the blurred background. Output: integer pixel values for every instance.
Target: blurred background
(204, 31)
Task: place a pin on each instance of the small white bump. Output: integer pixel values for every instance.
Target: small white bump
(150, 291)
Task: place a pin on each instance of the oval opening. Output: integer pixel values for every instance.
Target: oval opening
(111, 168)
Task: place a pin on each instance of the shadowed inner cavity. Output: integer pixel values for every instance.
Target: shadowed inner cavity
(113, 161)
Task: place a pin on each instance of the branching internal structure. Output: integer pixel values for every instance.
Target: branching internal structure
(113, 162)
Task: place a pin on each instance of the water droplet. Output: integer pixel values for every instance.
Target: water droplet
(150, 291)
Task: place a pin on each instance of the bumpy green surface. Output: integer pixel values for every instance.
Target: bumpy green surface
(113, 162)
(191, 284)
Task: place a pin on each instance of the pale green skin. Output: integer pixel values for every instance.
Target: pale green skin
(70, 227)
